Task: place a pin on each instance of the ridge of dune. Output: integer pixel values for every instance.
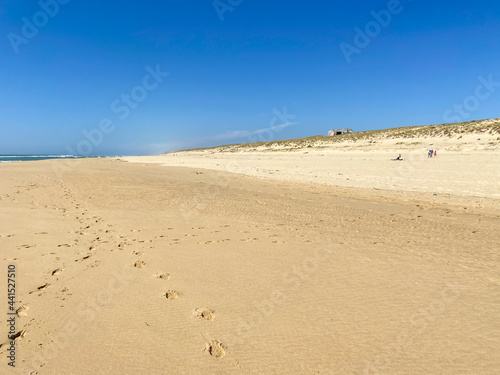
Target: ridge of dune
(474, 135)
(467, 162)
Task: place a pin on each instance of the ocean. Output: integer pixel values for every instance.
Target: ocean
(10, 158)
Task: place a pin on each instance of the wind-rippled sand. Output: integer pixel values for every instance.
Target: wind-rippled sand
(135, 268)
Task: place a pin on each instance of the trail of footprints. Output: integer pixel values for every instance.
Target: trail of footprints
(214, 347)
(103, 236)
(86, 228)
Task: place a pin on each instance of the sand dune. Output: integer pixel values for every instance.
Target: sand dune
(467, 164)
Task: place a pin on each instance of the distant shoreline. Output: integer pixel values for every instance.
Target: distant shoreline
(18, 158)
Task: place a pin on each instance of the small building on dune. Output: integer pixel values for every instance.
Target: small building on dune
(340, 131)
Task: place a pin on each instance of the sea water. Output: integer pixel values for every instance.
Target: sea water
(7, 158)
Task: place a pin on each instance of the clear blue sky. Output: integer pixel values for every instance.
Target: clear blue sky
(229, 77)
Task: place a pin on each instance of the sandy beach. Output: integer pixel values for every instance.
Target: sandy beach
(466, 166)
(214, 263)
(229, 187)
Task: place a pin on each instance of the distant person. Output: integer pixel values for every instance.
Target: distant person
(399, 158)
(429, 153)
(435, 153)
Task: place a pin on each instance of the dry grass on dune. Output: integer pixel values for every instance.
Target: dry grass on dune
(491, 127)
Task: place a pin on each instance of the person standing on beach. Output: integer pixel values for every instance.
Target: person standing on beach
(435, 153)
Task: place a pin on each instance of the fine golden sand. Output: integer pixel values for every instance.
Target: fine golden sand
(353, 265)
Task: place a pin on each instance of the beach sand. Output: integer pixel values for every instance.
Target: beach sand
(268, 263)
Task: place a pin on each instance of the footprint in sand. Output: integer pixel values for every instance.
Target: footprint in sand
(139, 264)
(84, 258)
(216, 349)
(162, 276)
(18, 335)
(172, 294)
(94, 264)
(40, 288)
(57, 271)
(22, 311)
(27, 246)
(204, 313)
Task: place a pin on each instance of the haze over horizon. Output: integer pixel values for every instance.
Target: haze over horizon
(151, 77)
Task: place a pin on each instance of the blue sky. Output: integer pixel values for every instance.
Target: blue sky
(238, 71)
